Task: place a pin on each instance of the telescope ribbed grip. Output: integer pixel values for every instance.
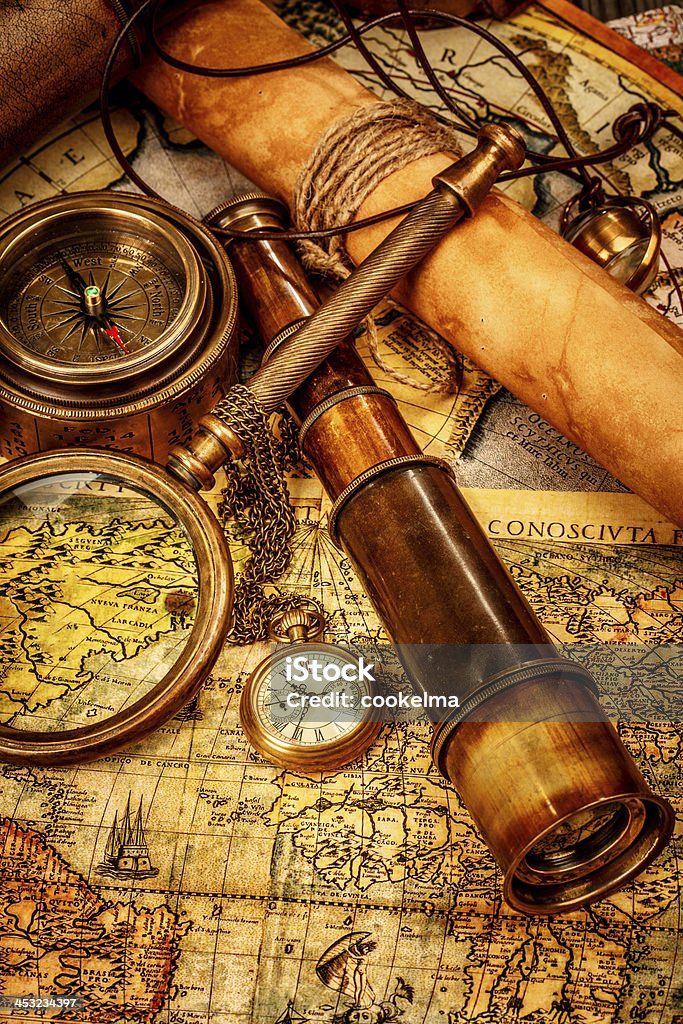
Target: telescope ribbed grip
(407, 244)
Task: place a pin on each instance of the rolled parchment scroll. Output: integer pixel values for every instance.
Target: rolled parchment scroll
(595, 360)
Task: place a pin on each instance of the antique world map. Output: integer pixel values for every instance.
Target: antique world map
(365, 895)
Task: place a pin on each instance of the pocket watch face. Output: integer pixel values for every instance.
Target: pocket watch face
(308, 707)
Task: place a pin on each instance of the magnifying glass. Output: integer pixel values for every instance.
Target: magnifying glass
(116, 604)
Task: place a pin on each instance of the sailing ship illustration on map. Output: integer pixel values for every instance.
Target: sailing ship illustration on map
(127, 854)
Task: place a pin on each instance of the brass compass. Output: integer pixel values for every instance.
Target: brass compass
(117, 317)
(309, 705)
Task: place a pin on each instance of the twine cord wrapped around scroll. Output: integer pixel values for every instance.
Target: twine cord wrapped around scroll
(351, 158)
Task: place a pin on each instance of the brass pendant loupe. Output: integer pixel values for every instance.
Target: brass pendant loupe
(622, 234)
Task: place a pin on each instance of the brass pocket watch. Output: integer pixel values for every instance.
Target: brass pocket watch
(308, 705)
(117, 317)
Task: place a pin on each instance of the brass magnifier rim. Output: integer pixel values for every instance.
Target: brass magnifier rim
(212, 618)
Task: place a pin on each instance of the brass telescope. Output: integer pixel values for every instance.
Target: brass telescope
(559, 801)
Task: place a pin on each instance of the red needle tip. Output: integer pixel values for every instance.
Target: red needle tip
(113, 332)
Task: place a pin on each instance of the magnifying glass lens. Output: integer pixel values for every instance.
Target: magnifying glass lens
(115, 599)
(98, 596)
(625, 264)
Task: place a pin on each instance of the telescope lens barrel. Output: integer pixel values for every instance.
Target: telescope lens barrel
(559, 801)
(556, 796)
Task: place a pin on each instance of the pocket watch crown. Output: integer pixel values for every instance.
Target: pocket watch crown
(299, 623)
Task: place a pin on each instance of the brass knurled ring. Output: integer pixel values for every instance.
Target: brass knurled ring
(496, 684)
(340, 396)
(272, 205)
(370, 474)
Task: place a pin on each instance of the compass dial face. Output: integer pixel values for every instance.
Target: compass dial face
(90, 291)
(117, 324)
(139, 292)
(300, 711)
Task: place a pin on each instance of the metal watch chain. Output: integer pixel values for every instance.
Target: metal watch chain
(256, 493)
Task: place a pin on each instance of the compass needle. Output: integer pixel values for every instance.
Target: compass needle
(113, 332)
(74, 277)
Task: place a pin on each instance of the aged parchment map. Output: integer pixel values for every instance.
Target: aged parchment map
(659, 31)
(185, 879)
(253, 874)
